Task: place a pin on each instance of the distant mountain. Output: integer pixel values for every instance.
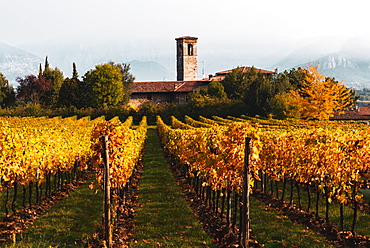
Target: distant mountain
(155, 60)
(350, 63)
(16, 62)
(87, 53)
(308, 50)
(349, 70)
(150, 71)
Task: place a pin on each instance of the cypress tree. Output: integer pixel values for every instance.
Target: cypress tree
(40, 71)
(47, 67)
(75, 73)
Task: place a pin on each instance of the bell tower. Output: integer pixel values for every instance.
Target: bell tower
(187, 61)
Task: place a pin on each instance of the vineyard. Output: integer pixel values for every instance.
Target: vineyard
(41, 156)
(316, 173)
(293, 162)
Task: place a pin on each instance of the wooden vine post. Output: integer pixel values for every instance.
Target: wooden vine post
(107, 203)
(245, 225)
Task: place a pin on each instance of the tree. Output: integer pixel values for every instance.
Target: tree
(73, 92)
(236, 82)
(295, 77)
(282, 106)
(47, 66)
(7, 94)
(40, 71)
(319, 97)
(209, 98)
(56, 78)
(214, 90)
(32, 89)
(69, 94)
(75, 73)
(105, 84)
(127, 79)
(262, 91)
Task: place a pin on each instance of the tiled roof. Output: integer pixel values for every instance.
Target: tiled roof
(350, 115)
(364, 110)
(168, 86)
(362, 113)
(183, 86)
(186, 38)
(219, 76)
(245, 70)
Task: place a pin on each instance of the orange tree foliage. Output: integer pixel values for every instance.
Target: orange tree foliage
(320, 97)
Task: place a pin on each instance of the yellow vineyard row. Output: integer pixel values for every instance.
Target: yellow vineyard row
(32, 147)
(125, 146)
(331, 155)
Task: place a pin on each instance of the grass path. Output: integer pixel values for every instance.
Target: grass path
(164, 218)
(68, 223)
(274, 230)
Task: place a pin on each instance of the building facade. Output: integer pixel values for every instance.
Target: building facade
(158, 92)
(187, 60)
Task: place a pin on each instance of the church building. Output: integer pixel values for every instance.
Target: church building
(187, 78)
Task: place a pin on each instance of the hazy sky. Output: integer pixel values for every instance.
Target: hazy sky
(25, 21)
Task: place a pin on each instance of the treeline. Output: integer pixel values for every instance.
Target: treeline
(105, 90)
(106, 85)
(298, 93)
(364, 94)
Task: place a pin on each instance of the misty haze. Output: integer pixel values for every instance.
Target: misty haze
(347, 60)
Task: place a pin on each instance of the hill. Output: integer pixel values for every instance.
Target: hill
(347, 60)
(15, 62)
(350, 63)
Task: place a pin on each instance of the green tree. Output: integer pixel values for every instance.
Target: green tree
(260, 96)
(282, 107)
(237, 82)
(74, 73)
(295, 77)
(214, 90)
(105, 84)
(127, 79)
(7, 93)
(47, 66)
(40, 71)
(72, 92)
(56, 78)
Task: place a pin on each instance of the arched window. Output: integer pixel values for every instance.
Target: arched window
(190, 49)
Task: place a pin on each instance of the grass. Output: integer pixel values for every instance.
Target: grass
(67, 224)
(19, 197)
(274, 230)
(363, 219)
(164, 218)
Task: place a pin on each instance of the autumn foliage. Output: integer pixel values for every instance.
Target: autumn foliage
(334, 156)
(319, 97)
(33, 147)
(125, 145)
